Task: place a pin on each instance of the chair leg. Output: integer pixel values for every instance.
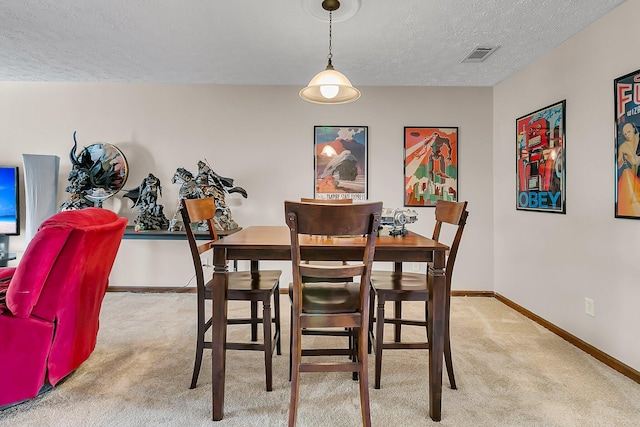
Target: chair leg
(266, 326)
(397, 314)
(379, 340)
(276, 309)
(198, 362)
(290, 342)
(447, 345)
(202, 329)
(353, 346)
(254, 321)
(447, 348)
(364, 376)
(448, 361)
(296, 335)
(426, 318)
(371, 317)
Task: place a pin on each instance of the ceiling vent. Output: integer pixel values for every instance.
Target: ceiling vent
(480, 53)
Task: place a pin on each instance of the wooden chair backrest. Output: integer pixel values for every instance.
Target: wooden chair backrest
(332, 221)
(454, 213)
(195, 211)
(330, 202)
(327, 219)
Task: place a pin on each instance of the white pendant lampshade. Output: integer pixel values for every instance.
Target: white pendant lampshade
(330, 86)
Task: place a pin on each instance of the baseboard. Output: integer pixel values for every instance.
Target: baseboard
(613, 363)
(151, 289)
(472, 294)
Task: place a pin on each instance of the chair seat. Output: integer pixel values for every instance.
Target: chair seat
(399, 283)
(330, 298)
(246, 281)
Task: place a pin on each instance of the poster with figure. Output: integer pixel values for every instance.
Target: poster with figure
(540, 160)
(340, 162)
(430, 165)
(627, 125)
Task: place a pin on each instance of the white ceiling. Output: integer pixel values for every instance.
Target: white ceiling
(277, 42)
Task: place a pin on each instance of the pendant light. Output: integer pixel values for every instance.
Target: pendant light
(330, 86)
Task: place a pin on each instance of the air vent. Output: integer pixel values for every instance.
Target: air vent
(480, 53)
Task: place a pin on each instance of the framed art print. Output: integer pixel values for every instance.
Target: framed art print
(627, 149)
(430, 165)
(340, 162)
(540, 160)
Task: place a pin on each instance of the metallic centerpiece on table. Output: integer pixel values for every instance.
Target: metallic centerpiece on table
(397, 219)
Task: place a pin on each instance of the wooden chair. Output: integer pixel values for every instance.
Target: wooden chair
(350, 333)
(253, 286)
(399, 286)
(329, 304)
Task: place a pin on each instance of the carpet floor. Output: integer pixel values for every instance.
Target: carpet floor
(510, 372)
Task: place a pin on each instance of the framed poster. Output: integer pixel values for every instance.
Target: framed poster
(540, 160)
(627, 125)
(340, 162)
(430, 165)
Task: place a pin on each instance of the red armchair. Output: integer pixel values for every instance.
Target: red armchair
(50, 303)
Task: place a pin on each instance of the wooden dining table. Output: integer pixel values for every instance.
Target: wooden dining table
(258, 243)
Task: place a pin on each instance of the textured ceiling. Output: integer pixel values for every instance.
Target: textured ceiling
(277, 42)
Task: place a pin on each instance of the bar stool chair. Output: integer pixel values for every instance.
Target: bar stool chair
(349, 333)
(327, 304)
(253, 286)
(398, 286)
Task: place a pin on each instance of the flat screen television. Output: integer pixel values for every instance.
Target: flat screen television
(9, 201)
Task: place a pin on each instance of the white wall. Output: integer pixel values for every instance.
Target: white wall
(263, 137)
(549, 263)
(260, 136)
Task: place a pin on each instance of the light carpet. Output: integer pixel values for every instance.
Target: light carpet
(510, 372)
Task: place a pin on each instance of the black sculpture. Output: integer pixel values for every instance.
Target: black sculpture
(150, 213)
(97, 173)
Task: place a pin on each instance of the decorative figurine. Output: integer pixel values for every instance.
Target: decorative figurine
(397, 219)
(206, 184)
(150, 213)
(97, 173)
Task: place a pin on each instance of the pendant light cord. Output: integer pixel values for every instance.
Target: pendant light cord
(330, 86)
(330, 56)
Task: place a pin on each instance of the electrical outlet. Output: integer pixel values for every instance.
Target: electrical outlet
(590, 307)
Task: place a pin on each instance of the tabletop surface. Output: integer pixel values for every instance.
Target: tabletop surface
(277, 237)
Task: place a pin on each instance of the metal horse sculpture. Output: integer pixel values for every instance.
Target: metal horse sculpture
(206, 184)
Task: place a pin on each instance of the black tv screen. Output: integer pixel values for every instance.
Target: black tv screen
(9, 201)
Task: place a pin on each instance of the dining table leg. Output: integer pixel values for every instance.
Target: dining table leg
(436, 326)
(219, 331)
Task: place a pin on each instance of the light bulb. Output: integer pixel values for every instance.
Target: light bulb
(329, 91)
